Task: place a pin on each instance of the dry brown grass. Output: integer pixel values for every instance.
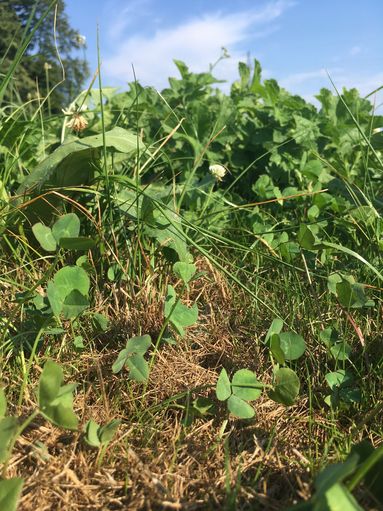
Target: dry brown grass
(156, 462)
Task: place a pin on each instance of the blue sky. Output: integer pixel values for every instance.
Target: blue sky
(296, 41)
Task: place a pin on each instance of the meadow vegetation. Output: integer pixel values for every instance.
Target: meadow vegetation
(191, 298)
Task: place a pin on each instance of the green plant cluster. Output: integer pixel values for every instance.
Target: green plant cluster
(137, 197)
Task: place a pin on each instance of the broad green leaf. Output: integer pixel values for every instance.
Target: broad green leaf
(121, 360)
(96, 435)
(335, 473)
(67, 226)
(134, 346)
(111, 273)
(78, 243)
(139, 345)
(107, 432)
(164, 225)
(68, 291)
(292, 345)
(55, 298)
(341, 351)
(332, 281)
(50, 383)
(275, 327)
(56, 401)
(138, 368)
(84, 263)
(240, 408)
(74, 304)
(73, 162)
(245, 385)
(370, 464)
(10, 491)
(91, 433)
(180, 315)
(306, 238)
(3, 403)
(182, 68)
(286, 386)
(350, 393)
(244, 73)
(256, 86)
(364, 214)
(276, 350)
(335, 378)
(329, 336)
(184, 271)
(338, 498)
(78, 342)
(223, 387)
(313, 169)
(183, 317)
(343, 386)
(70, 278)
(101, 321)
(351, 295)
(313, 213)
(44, 236)
(8, 429)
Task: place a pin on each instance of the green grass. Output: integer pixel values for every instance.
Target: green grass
(292, 233)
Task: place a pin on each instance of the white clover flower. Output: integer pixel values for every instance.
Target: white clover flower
(77, 122)
(218, 171)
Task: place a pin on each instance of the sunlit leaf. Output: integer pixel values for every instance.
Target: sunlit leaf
(184, 271)
(239, 408)
(138, 368)
(223, 387)
(10, 491)
(245, 385)
(44, 236)
(67, 226)
(56, 401)
(292, 345)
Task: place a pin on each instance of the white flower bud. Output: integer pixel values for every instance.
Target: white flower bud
(218, 171)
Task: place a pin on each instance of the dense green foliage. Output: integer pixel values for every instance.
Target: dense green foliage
(282, 199)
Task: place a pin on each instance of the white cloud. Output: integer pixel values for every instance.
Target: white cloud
(308, 83)
(130, 14)
(198, 42)
(355, 50)
(341, 78)
(296, 79)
